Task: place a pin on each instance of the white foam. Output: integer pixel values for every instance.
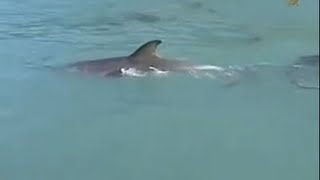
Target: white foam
(158, 72)
(202, 74)
(207, 67)
(195, 71)
(132, 72)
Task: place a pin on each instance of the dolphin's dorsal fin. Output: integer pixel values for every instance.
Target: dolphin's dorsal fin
(146, 50)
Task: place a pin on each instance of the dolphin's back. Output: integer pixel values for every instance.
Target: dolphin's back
(141, 59)
(106, 66)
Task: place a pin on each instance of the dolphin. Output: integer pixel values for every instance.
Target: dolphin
(143, 59)
(309, 60)
(304, 72)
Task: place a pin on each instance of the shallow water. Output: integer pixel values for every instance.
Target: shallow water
(65, 126)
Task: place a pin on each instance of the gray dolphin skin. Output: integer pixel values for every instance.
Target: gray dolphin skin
(141, 59)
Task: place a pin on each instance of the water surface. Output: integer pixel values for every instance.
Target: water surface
(65, 126)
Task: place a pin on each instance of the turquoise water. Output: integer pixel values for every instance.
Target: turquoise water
(64, 126)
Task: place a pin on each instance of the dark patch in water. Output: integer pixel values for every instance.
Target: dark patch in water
(143, 17)
(194, 5)
(197, 5)
(212, 11)
(304, 73)
(114, 23)
(255, 39)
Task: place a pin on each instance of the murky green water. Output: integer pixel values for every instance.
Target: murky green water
(62, 126)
